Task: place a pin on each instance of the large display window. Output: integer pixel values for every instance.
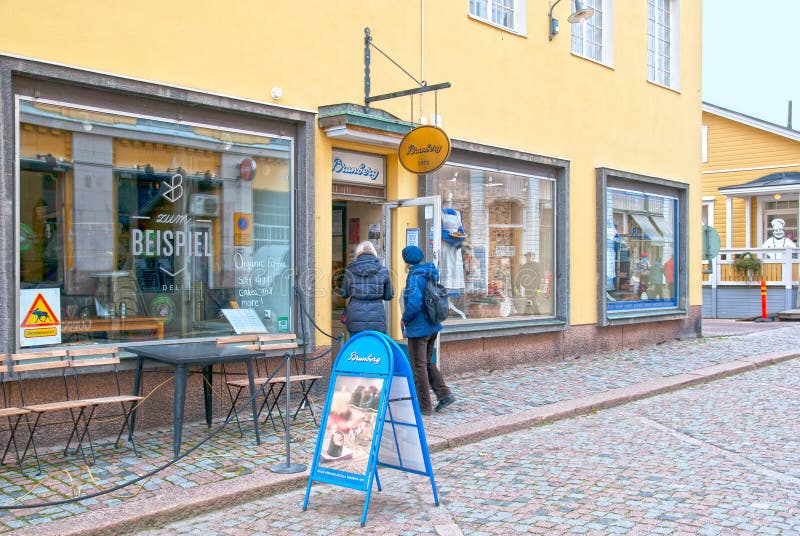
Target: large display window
(641, 246)
(640, 257)
(497, 250)
(149, 228)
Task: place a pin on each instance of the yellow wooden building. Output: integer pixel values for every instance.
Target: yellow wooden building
(751, 182)
(172, 161)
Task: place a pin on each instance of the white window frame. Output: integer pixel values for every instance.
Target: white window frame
(602, 21)
(708, 208)
(492, 11)
(667, 46)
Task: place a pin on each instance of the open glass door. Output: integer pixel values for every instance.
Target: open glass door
(409, 222)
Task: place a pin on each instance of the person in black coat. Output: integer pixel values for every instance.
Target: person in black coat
(367, 283)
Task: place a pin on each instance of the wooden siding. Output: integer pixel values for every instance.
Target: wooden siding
(735, 146)
(745, 302)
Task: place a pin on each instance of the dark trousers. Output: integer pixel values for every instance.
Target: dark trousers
(426, 375)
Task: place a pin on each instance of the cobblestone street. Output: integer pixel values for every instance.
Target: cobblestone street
(721, 458)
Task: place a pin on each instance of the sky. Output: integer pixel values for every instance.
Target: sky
(751, 57)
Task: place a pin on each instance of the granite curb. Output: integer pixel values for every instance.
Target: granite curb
(155, 509)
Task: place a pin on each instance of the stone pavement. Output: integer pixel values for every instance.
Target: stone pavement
(228, 470)
(718, 458)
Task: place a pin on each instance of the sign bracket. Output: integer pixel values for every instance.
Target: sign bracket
(423, 85)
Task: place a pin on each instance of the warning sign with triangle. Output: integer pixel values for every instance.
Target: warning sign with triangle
(39, 315)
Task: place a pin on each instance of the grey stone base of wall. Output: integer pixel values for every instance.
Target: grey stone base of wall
(459, 357)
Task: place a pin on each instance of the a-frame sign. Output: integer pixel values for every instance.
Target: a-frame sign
(371, 419)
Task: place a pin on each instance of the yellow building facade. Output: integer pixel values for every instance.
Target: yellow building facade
(751, 179)
(189, 158)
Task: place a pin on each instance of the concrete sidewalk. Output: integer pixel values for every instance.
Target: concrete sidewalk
(229, 470)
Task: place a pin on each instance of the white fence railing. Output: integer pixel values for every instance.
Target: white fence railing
(779, 267)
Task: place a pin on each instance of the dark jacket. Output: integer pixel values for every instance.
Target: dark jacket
(367, 283)
(414, 319)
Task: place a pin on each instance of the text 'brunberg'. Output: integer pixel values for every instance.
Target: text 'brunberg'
(430, 148)
(370, 358)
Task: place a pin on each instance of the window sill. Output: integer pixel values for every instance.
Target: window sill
(674, 90)
(470, 330)
(638, 317)
(498, 26)
(592, 60)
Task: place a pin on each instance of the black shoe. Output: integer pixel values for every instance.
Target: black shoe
(426, 412)
(446, 401)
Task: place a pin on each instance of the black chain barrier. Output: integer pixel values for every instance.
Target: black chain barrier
(234, 415)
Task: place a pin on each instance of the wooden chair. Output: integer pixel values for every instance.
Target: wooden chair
(24, 363)
(12, 413)
(103, 356)
(273, 345)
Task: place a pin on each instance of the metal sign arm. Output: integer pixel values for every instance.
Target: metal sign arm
(424, 87)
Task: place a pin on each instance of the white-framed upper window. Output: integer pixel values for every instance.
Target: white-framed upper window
(662, 42)
(592, 38)
(508, 14)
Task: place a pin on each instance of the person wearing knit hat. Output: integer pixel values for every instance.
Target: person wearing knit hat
(422, 332)
(413, 255)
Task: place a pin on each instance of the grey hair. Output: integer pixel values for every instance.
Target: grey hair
(366, 247)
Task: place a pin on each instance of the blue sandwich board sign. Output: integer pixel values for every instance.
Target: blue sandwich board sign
(371, 419)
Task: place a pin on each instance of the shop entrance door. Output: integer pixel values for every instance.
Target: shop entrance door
(416, 222)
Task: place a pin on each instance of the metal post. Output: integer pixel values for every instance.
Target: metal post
(367, 40)
(288, 466)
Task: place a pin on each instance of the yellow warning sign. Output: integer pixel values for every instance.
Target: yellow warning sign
(40, 315)
(39, 332)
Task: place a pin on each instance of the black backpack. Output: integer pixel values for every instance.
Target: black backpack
(435, 303)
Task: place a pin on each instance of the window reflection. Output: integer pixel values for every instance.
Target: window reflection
(497, 257)
(159, 224)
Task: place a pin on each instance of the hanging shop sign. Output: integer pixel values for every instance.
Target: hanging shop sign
(371, 419)
(40, 313)
(424, 150)
(361, 168)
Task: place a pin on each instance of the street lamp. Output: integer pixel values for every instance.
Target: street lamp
(579, 14)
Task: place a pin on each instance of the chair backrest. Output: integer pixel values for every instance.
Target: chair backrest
(42, 360)
(87, 357)
(35, 361)
(3, 366)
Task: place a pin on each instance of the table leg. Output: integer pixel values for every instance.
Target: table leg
(208, 394)
(137, 391)
(178, 406)
(251, 377)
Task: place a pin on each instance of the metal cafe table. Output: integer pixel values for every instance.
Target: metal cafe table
(182, 356)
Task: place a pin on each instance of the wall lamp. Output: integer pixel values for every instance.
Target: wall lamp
(579, 14)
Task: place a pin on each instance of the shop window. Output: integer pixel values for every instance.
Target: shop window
(149, 220)
(497, 257)
(643, 252)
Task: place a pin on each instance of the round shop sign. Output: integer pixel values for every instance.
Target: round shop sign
(247, 169)
(424, 150)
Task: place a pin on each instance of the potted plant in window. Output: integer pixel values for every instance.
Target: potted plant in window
(748, 265)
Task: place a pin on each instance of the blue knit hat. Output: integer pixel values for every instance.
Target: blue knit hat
(413, 255)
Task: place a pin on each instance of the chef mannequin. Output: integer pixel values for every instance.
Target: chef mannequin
(778, 240)
(451, 267)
